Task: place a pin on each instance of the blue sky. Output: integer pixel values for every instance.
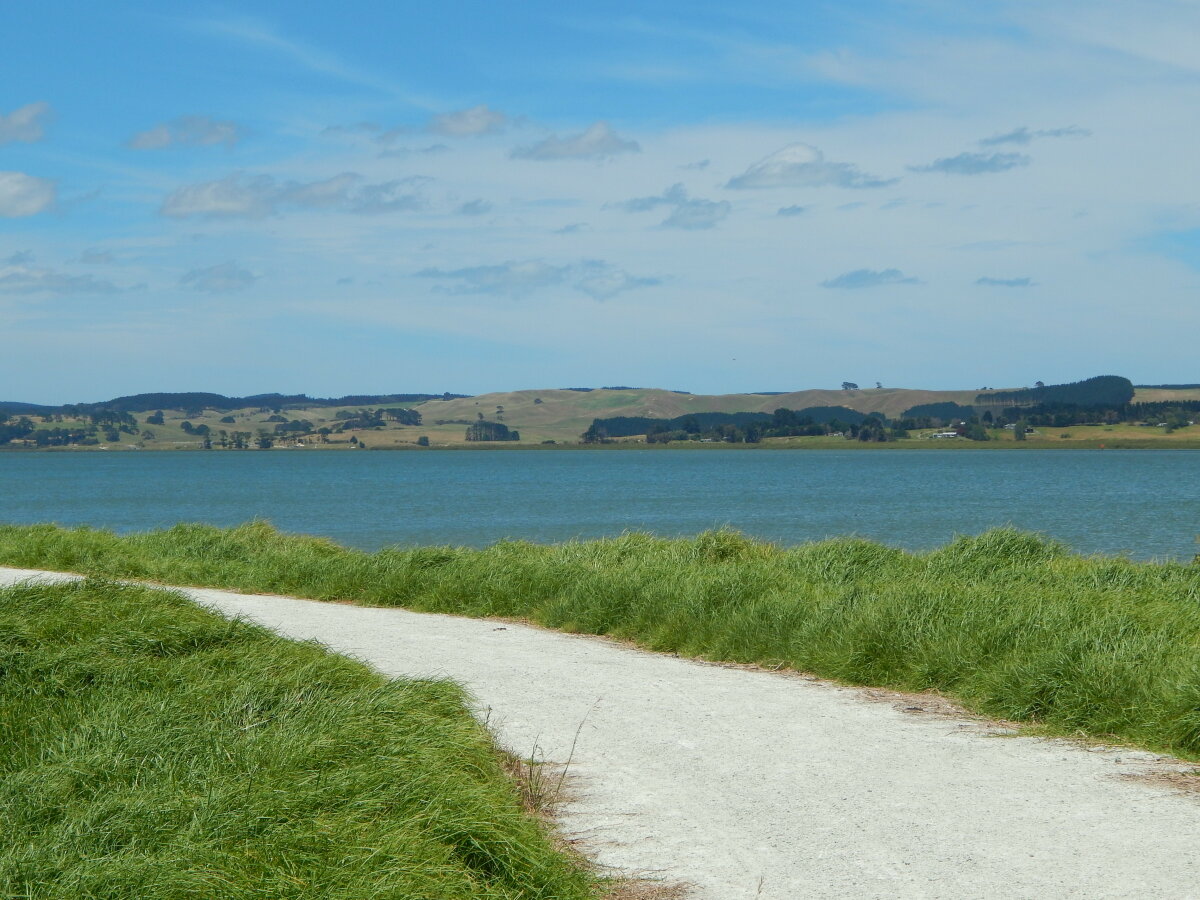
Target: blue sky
(369, 197)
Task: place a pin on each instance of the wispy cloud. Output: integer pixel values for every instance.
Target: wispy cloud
(478, 120)
(262, 36)
(867, 278)
(791, 210)
(697, 214)
(94, 257)
(803, 165)
(25, 195)
(598, 142)
(689, 213)
(255, 196)
(974, 163)
(1025, 136)
(598, 279)
(219, 279)
(1005, 282)
(25, 279)
(26, 124)
(187, 131)
(474, 208)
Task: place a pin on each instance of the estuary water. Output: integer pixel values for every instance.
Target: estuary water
(1144, 503)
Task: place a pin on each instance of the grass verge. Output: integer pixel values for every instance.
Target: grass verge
(1007, 623)
(151, 749)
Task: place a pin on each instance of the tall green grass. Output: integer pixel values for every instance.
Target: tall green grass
(150, 749)
(1010, 624)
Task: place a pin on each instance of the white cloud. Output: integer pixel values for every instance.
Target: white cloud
(26, 124)
(865, 278)
(256, 196)
(24, 195)
(24, 279)
(974, 163)
(471, 122)
(219, 279)
(598, 142)
(803, 165)
(598, 279)
(187, 131)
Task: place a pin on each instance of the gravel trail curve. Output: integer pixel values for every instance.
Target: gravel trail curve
(763, 786)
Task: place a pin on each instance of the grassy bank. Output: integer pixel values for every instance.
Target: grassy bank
(1012, 625)
(151, 749)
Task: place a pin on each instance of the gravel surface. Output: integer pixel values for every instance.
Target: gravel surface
(750, 784)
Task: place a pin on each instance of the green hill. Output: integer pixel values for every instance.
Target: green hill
(560, 415)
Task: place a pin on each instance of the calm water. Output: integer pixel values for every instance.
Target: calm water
(1145, 503)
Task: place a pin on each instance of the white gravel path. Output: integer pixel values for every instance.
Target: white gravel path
(748, 784)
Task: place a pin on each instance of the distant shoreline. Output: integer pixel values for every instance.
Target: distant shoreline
(920, 446)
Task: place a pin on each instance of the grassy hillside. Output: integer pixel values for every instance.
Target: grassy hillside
(151, 749)
(540, 416)
(1010, 624)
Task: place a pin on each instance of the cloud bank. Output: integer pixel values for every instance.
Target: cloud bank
(242, 196)
(598, 279)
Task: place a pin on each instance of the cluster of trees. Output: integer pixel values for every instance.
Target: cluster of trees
(1103, 390)
(491, 431)
(65, 437)
(626, 426)
(376, 418)
(1177, 414)
(747, 428)
(83, 434)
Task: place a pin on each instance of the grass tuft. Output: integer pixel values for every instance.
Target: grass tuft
(149, 748)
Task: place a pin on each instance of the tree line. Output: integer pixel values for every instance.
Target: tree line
(1103, 390)
(748, 428)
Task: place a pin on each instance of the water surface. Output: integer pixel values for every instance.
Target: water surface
(1145, 502)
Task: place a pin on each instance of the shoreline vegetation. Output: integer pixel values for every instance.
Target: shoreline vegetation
(1007, 623)
(151, 748)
